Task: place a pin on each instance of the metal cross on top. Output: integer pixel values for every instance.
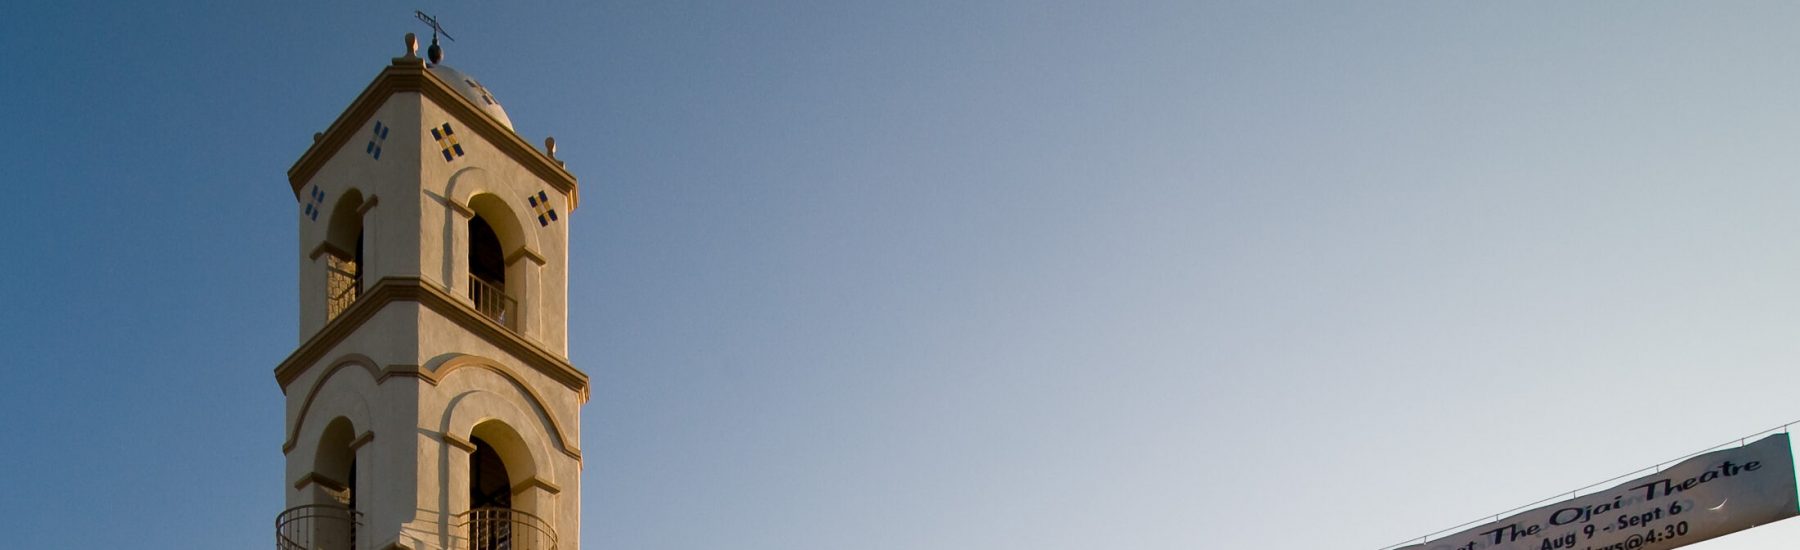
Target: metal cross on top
(436, 29)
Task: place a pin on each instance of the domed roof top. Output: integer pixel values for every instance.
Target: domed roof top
(473, 91)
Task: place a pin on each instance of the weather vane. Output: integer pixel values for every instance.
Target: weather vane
(436, 29)
(435, 53)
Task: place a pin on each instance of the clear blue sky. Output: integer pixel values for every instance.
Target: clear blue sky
(953, 275)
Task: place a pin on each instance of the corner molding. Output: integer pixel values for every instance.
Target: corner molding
(433, 377)
(412, 289)
(408, 371)
(537, 483)
(315, 478)
(457, 441)
(460, 208)
(368, 204)
(362, 440)
(325, 247)
(527, 253)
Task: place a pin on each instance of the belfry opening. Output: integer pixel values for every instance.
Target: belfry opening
(487, 270)
(344, 254)
(490, 495)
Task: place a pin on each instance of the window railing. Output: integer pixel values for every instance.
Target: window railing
(342, 285)
(491, 300)
(317, 527)
(505, 529)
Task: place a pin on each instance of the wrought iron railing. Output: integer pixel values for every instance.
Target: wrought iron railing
(505, 529)
(317, 527)
(491, 300)
(343, 285)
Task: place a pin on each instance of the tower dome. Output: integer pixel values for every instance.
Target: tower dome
(472, 90)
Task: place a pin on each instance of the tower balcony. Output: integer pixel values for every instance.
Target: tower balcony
(491, 300)
(505, 529)
(317, 527)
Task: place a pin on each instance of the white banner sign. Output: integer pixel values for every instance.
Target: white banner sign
(1704, 497)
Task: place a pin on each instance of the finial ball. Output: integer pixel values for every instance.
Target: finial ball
(412, 45)
(550, 146)
(434, 53)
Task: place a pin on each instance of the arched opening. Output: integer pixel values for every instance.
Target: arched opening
(497, 518)
(489, 486)
(329, 519)
(494, 286)
(490, 498)
(486, 261)
(335, 463)
(344, 254)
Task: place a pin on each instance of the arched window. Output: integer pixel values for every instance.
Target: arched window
(344, 254)
(490, 499)
(495, 520)
(489, 486)
(334, 464)
(487, 273)
(330, 519)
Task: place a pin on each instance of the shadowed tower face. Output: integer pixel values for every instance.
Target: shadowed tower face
(431, 403)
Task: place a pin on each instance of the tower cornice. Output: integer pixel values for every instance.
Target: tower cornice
(409, 74)
(413, 289)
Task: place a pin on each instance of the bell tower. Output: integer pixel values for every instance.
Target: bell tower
(431, 403)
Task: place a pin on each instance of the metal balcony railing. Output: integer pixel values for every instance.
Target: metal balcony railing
(505, 529)
(491, 300)
(317, 527)
(342, 285)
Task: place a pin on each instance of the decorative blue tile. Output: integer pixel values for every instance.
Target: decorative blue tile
(315, 203)
(375, 141)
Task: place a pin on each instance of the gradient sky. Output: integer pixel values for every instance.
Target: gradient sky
(950, 274)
